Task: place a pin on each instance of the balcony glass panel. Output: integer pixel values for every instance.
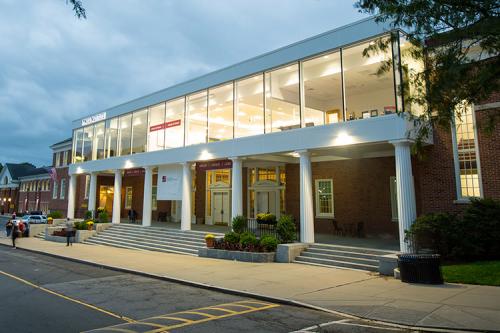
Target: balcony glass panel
(220, 113)
(413, 85)
(174, 123)
(88, 134)
(197, 118)
(78, 145)
(125, 134)
(98, 142)
(249, 111)
(139, 131)
(111, 141)
(282, 99)
(156, 139)
(323, 90)
(367, 93)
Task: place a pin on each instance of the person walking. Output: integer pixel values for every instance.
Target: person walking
(8, 227)
(70, 228)
(15, 233)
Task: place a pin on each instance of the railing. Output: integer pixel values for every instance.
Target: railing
(262, 229)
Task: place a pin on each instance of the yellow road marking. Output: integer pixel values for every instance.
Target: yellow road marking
(199, 313)
(117, 329)
(221, 309)
(93, 307)
(242, 306)
(175, 318)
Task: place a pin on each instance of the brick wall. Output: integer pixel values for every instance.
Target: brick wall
(489, 152)
(59, 204)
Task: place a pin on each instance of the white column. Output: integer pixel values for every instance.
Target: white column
(237, 187)
(117, 197)
(306, 198)
(71, 196)
(186, 197)
(93, 193)
(147, 199)
(407, 211)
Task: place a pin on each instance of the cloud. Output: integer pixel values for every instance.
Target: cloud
(55, 68)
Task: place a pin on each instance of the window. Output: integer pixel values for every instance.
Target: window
(54, 190)
(65, 158)
(394, 198)
(62, 195)
(323, 90)
(367, 93)
(78, 145)
(249, 113)
(88, 134)
(154, 200)
(87, 186)
(139, 131)
(156, 139)
(324, 198)
(111, 138)
(197, 118)
(58, 159)
(128, 197)
(174, 123)
(282, 99)
(125, 134)
(220, 113)
(98, 142)
(465, 153)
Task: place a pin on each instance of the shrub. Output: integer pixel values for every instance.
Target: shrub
(103, 217)
(232, 237)
(239, 224)
(431, 232)
(266, 218)
(55, 214)
(269, 243)
(88, 215)
(248, 239)
(286, 229)
(100, 210)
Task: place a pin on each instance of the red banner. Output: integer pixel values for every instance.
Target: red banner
(168, 124)
(214, 165)
(134, 172)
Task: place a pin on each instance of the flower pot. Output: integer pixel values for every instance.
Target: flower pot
(210, 242)
(89, 227)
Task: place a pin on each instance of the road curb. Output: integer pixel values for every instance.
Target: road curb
(284, 301)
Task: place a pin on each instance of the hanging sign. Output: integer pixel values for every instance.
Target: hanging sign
(168, 124)
(134, 172)
(214, 165)
(169, 182)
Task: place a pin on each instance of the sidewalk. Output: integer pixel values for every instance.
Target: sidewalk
(361, 294)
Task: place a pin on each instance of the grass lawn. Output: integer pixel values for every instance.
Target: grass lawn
(481, 272)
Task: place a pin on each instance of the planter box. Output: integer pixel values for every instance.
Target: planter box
(102, 226)
(237, 255)
(35, 229)
(287, 252)
(80, 236)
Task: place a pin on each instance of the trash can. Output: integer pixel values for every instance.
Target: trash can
(420, 268)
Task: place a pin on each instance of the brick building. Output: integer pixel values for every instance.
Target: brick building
(61, 158)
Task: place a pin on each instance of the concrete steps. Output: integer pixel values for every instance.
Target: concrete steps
(342, 257)
(151, 239)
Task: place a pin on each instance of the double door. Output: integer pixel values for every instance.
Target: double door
(221, 211)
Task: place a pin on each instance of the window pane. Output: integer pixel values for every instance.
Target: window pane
(411, 69)
(98, 145)
(323, 90)
(111, 137)
(282, 99)
(367, 93)
(156, 127)
(249, 107)
(174, 123)
(125, 134)
(197, 118)
(220, 111)
(139, 131)
(88, 133)
(78, 142)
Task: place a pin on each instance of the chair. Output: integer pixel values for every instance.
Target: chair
(360, 230)
(337, 230)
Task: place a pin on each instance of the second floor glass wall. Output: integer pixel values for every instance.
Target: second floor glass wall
(341, 85)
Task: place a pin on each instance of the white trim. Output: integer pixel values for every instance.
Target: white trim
(318, 214)
(62, 189)
(487, 106)
(55, 189)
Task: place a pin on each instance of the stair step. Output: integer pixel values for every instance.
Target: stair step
(172, 238)
(134, 240)
(166, 229)
(340, 258)
(351, 249)
(336, 263)
(343, 253)
(140, 245)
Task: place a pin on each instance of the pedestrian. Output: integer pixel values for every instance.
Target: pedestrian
(8, 227)
(15, 233)
(14, 215)
(131, 215)
(69, 232)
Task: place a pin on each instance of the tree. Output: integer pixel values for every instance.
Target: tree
(78, 8)
(459, 43)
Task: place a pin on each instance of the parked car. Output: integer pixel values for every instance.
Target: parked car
(34, 219)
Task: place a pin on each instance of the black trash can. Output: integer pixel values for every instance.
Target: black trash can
(420, 268)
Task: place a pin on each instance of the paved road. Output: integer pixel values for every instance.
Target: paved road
(40, 293)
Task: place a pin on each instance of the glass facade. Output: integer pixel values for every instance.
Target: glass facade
(340, 85)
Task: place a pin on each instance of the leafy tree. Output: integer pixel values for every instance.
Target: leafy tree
(78, 8)
(459, 43)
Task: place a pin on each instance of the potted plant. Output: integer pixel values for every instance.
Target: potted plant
(90, 224)
(209, 239)
(266, 218)
(50, 220)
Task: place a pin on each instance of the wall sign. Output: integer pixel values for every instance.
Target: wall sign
(168, 124)
(214, 165)
(134, 172)
(170, 186)
(94, 119)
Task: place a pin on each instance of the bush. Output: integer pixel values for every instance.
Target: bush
(103, 217)
(269, 243)
(232, 237)
(239, 224)
(88, 215)
(431, 232)
(266, 218)
(248, 239)
(55, 214)
(286, 229)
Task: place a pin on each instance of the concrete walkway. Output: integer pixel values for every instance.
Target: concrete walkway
(451, 306)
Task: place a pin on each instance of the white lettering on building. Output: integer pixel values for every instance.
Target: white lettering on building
(94, 119)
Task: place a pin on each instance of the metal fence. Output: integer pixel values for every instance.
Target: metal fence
(262, 229)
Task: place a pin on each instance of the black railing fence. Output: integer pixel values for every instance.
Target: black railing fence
(262, 229)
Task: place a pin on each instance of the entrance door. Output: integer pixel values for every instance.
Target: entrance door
(220, 210)
(266, 202)
(106, 197)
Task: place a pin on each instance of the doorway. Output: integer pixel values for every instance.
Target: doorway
(220, 207)
(266, 202)
(106, 194)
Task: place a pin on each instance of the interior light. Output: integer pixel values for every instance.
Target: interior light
(326, 57)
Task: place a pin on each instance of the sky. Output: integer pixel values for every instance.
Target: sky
(55, 68)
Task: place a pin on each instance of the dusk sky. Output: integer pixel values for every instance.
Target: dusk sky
(55, 68)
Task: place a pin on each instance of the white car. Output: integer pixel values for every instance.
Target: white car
(34, 219)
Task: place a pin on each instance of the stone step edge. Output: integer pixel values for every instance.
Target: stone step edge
(156, 237)
(341, 252)
(127, 225)
(383, 252)
(334, 262)
(130, 241)
(327, 256)
(331, 266)
(139, 246)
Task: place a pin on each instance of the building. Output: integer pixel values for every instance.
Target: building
(34, 191)
(309, 130)
(61, 158)
(11, 177)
